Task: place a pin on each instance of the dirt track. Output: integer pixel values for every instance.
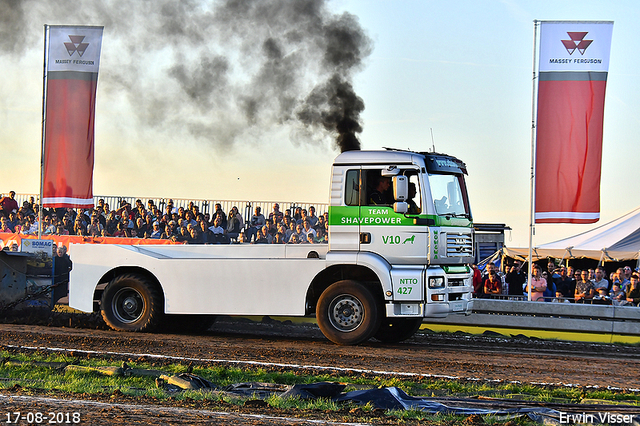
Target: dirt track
(286, 347)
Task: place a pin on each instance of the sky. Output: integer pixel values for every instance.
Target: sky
(460, 71)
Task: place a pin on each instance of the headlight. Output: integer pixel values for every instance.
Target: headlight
(436, 282)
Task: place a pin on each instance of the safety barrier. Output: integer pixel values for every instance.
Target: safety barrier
(551, 317)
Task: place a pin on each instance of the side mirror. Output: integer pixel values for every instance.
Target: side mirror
(400, 207)
(400, 188)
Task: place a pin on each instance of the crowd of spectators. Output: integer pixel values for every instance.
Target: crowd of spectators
(178, 224)
(560, 284)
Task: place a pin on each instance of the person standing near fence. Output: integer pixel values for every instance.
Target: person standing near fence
(538, 284)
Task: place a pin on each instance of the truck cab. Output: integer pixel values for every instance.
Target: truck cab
(409, 211)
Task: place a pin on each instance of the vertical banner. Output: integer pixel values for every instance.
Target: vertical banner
(573, 66)
(72, 58)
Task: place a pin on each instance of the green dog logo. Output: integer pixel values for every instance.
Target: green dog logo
(410, 239)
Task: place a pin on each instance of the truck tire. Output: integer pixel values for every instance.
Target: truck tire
(347, 313)
(131, 303)
(394, 330)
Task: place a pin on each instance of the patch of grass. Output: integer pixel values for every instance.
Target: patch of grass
(29, 374)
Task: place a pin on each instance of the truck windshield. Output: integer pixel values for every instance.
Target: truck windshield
(449, 195)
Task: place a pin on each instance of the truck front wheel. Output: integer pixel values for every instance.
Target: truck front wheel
(131, 303)
(347, 313)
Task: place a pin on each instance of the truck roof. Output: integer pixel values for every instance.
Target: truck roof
(394, 156)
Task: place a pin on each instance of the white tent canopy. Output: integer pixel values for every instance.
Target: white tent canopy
(614, 241)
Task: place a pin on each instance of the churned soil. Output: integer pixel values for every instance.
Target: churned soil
(279, 346)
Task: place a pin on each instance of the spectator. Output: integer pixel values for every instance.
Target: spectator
(618, 298)
(308, 230)
(515, 279)
(111, 223)
(237, 215)
(321, 236)
(577, 275)
(620, 278)
(12, 221)
(538, 284)
(627, 273)
(566, 285)
(156, 232)
(599, 280)
(313, 219)
(48, 228)
(492, 284)
(552, 278)
(321, 223)
(196, 237)
(294, 239)
(94, 229)
(169, 230)
(601, 296)
(120, 231)
(297, 214)
(550, 292)
(477, 281)
(278, 238)
(302, 236)
(263, 236)
(584, 288)
(223, 216)
(633, 291)
(233, 225)
(560, 298)
(141, 225)
(276, 215)
(257, 221)
(9, 204)
(62, 265)
(218, 232)
(303, 217)
(203, 231)
(61, 230)
(4, 225)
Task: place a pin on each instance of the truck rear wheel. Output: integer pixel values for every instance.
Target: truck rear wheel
(394, 330)
(131, 303)
(347, 313)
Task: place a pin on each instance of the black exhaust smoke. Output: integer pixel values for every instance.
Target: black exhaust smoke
(218, 70)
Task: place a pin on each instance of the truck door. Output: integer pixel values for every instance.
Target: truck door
(392, 235)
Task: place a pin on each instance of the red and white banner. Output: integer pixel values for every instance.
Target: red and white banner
(71, 70)
(573, 66)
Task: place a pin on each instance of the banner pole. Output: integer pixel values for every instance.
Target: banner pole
(44, 119)
(532, 194)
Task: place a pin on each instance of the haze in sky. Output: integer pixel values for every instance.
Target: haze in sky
(185, 110)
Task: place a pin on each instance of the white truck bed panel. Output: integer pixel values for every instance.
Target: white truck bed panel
(207, 279)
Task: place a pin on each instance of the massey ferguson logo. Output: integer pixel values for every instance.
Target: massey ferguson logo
(77, 45)
(577, 42)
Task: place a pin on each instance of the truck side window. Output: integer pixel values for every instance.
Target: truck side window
(379, 190)
(352, 188)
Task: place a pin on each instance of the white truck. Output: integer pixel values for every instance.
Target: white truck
(400, 245)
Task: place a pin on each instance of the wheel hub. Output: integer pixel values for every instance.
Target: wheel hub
(130, 305)
(346, 313)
